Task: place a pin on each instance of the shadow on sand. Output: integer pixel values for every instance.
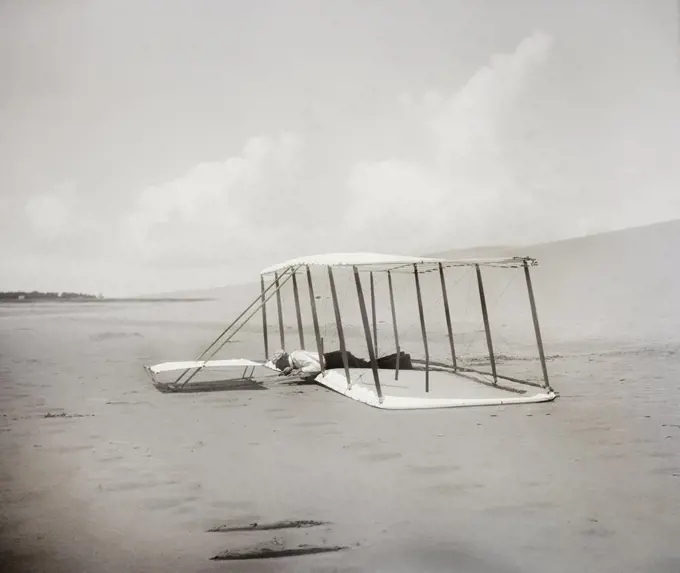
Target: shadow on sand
(242, 384)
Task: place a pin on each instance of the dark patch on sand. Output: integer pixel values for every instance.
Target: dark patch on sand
(111, 459)
(100, 336)
(65, 415)
(128, 403)
(134, 485)
(666, 471)
(599, 532)
(433, 470)
(275, 550)
(284, 524)
(357, 445)
(661, 455)
(449, 488)
(212, 386)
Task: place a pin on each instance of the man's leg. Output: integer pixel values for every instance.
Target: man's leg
(334, 360)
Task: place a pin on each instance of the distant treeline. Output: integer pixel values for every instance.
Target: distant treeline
(36, 295)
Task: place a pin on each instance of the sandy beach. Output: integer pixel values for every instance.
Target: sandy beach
(101, 472)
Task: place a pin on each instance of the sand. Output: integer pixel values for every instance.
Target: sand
(101, 472)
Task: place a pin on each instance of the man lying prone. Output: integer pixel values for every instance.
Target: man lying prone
(307, 365)
(300, 363)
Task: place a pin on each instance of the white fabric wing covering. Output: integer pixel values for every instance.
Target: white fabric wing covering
(235, 362)
(381, 262)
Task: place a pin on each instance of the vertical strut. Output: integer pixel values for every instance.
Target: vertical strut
(338, 324)
(487, 327)
(367, 332)
(374, 316)
(264, 320)
(447, 314)
(421, 312)
(298, 313)
(209, 352)
(537, 328)
(394, 323)
(282, 334)
(315, 319)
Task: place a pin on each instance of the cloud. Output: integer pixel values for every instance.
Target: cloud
(229, 208)
(467, 186)
(477, 167)
(265, 203)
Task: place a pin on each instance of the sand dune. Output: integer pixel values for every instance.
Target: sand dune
(100, 472)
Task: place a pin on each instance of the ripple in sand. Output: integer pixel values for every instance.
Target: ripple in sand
(518, 508)
(671, 471)
(110, 459)
(316, 424)
(449, 488)
(235, 505)
(358, 445)
(124, 486)
(661, 455)
(72, 449)
(534, 483)
(166, 503)
(433, 470)
(382, 457)
(599, 532)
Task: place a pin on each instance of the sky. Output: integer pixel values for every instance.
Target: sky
(148, 146)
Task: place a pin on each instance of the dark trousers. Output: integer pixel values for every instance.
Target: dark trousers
(334, 360)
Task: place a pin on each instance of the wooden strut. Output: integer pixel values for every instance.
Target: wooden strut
(421, 312)
(447, 314)
(282, 334)
(224, 332)
(315, 319)
(487, 327)
(537, 328)
(394, 323)
(367, 332)
(444, 366)
(502, 377)
(298, 313)
(374, 316)
(338, 324)
(264, 320)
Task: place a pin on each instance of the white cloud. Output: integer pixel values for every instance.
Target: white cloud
(262, 205)
(474, 178)
(467, 187)
(231, 207)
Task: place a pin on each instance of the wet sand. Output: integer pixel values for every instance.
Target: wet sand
(101, 472)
